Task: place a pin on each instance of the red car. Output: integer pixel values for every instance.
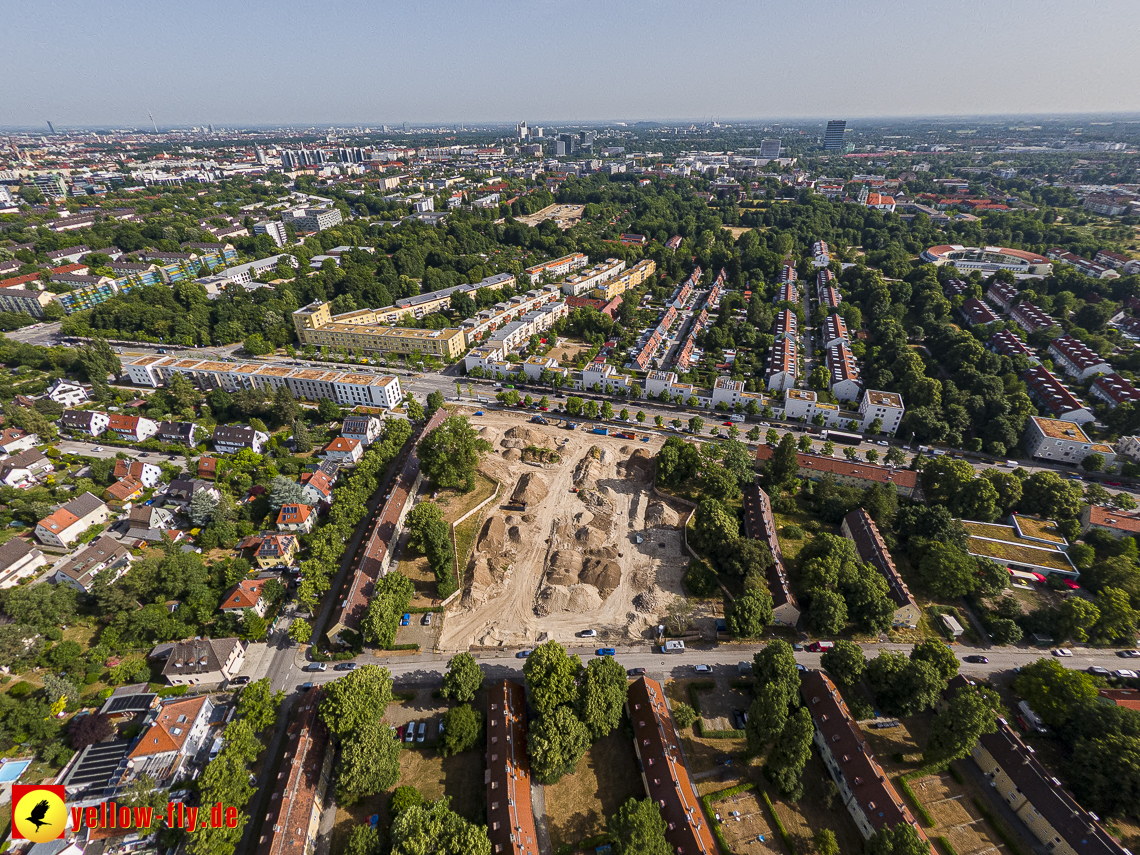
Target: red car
(727, 424)
(1112, 483)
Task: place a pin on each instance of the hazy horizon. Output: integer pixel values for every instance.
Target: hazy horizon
(349, 62)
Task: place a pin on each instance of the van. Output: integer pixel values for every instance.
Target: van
(423, 732)
(1010, 464)
(820, 646)
(410, 733)
(736, 417)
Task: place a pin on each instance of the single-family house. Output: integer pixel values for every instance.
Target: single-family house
(124, 490)
(103, 555)
(203, 661)
(275, 549)
(183, 433)
(14, 440)
(247, 594)
(24, 468)
(90, 422)
(68, 393)
(175, 734)
(296, 518)
(316, 487)
(345, 450)
(230, 439)
(362, 427)
(132, 428)
(62, 527)
(18, 560)
(208, 468)
(146, 473)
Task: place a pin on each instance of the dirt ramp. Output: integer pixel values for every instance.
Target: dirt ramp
(493, 536)
(531, 489)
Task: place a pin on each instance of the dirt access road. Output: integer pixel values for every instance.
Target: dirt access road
(571, 561)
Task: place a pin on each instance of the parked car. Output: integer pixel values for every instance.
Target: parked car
(523, 654)
(738, 719)
(635, 672)
(703, 669)
(1128, 654)
(605, 651)
(423, 732)
(588, 633)
(317, 666)
(306, 686)
(1125, 674)
(239, 681)
(427, 619)
(410, 733)
(405, 620)
(345, 666)
(1099, 671)
(975, 657)
(1062, 652)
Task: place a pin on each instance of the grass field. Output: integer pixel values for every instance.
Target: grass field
(577, 806)
(819, 807)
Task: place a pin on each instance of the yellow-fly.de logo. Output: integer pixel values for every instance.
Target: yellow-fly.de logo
(38, 812)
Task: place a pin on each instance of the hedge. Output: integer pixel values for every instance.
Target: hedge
(947, 845)
(707, 800)
(717, 734)
(783, 832)
(918, 806)
(699, 686)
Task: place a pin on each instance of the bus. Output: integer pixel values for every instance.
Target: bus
(841, 437)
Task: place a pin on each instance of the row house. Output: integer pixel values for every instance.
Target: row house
(843, 371)
(821, 255)
(1082, 265)
(596, 276)
(1030, 318)
(1106, 519)
(213, 254)
(788, 272)
(1008, 343)
(782, 370)
(955, 288)
(86, 422)
(18, 560)
(1001, 294)
(1062, 442)
(1114, 390)
(145, 473)
(1115, 260)
(104, 557)
(62, 527)
(760, 524)
(789, 292)
(1077, 359)
(976, 313)
(860, 529)
(835, 331)
(786, 325)
(132, 428)
(1051, 394)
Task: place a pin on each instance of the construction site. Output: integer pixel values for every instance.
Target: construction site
(575, 540)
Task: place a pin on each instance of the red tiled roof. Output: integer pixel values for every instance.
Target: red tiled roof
(161, 736)
(245, 595)
(906, 478)
(293, 514)
(510, 816)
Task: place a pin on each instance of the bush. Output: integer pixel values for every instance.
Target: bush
(700, 580)
(792, 532)
(21, 690)
(684, 715)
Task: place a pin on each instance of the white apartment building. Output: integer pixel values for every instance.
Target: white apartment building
(845, 384)
(67, 393)
(588, 280)
(1062, 442)
(272, 228)
(885, 406)
(804, 405)
(557, 267)
(62, 527)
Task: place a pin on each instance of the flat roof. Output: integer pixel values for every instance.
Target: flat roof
(1057, 429)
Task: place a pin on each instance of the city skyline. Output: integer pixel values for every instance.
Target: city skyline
(444, 63)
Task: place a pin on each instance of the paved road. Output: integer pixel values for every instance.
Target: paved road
(87, 449)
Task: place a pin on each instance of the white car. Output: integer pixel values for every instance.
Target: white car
(588, 633)
(1062, 652)
(882, 442)
(1125, 674)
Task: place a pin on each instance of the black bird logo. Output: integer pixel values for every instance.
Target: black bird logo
(38, 812)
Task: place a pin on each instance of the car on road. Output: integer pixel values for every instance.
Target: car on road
(97, 448)
(1113, 484)
(306, 686)
(1128, 654)
(605, 651)
(523, 654)
(479, 413)
(410, 733)
(1062, 652)
(727, 424)
(882, 442)
(588, 633)
(239, 681)
(345, 666)
(635, 672)
(1073, 476)
(703, 669)
(317, 666)
(977, 658)
(1099, 671)
(1125, 674)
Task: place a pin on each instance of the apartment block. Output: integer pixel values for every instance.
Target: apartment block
(510, 816)
(887, 407)
(860, 529)
(1062, 441)
(1077, 359)
(760, 524)
(1054, 396)
(315, 326)
(844, 371)
(976, 313)
(849, 473)
(1030, 318)
(1114, 390)
(782, 370)
(557, 267)
(1007, 343)
(1001, 294)
(834, 332)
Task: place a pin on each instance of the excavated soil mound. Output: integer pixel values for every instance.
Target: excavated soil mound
(531, 489)
(590, 538)
(489, 433)
(514, 534)
(528, 518)
(512, 454)
(522, 436)
(638, 464)
(660, 515)
(571, 568)
(603, 575)
(626, 449)
(574, 598)
(494, 532)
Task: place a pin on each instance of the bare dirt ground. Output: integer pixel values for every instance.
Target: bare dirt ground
(566, 215)
(570, 560)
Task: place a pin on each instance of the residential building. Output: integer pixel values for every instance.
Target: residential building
(1054, 396)
(175, 733)
(184, 433)
(558, 267)
(230, 439)
(294, 815)
(317, 219)
(782, 370)
(1062, 442)
(345, 450)
(316, 488)
(864, 787)
(593, 278)
(208, 468)
(844, 372)
(833, 136)
(1030, 318)
(887, 407)
(1008, 343)
(510, 816)
(246, 594)
(275, 549)
(759, 524)
(1115, 260)
(860, 529)
(204, 661)
(976, 313)
(104, 555)
(24, 468)
(1113, 521)
(834, 332)
(296, 518)
(181, 490)
(664, 771)
(849, 473)
(316, 326)
(988, 259)
(62, 527)
(129, 701)
(1114, 390)
(67, 393)
(1076, 359)
(821, 255)
(1129, 446)
(13, 440)
(363, 428)
(1032, 792)
(274, 229)
(15, 295)
(881, 202)
(147, 473)
(803, 405)
(148, 522)
(124, 490)
(131, 428)
(18, 560)
(1001, 294)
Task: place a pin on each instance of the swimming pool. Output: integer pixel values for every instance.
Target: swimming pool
(11, 770)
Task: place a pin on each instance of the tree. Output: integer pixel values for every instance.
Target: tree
(784, 466)
(641, 417)
(903, 839)
(1047, 494)
(557, 741)
(903, 686)
(1076, 616)
(947, 571)
(804, 443)
(827, 614)
(450, 454)
(750, 613)
(89, 729)
(258, 705)
(607, 410)
(940, 656)
(601, 697)
(356, 700)
(1053, 691)
(284, 491)
(329, 410)
(777, 685)
(896, 456)
(462, 729)
(202, 505)
(403, 798)
(434, 829)
(845, 663)
(1117, 617)
(551, 675)
(639, 829)
(369, 762)
(696, 424)
(463, 679)
(285, 408)
(956, 728)
(364, 840)
(300, 631)
(1093, 462)
(825, 842)
(789, 756)
(713, 526)
(1105, 772)
(434, 402)
(684, 715)
(424, 523)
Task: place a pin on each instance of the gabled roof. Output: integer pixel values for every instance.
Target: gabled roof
(246, 594)
(343, 445)
(293, 514)
(170, 729)
(125, 488)
(319, 480)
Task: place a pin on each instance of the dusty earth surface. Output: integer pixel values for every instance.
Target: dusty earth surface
(559, 553)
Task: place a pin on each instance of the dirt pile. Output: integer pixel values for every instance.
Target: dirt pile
(589, 469)
(638, 464)
(577, 599)
(494, 531)
(512, 455)
(660, 515)
(522, 436)
(530, 490)
(647, 602)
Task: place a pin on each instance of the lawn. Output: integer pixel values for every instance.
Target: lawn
(704, 755)
(819, 807)
(577, 806)
(1040, 529)
(459, 777)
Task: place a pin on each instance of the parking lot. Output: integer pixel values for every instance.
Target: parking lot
(423, 709)
(417, 632)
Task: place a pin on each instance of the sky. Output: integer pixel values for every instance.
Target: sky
(251, 62)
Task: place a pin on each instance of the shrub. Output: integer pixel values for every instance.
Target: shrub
(700, 580)
(684, 715)
(792, 532)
